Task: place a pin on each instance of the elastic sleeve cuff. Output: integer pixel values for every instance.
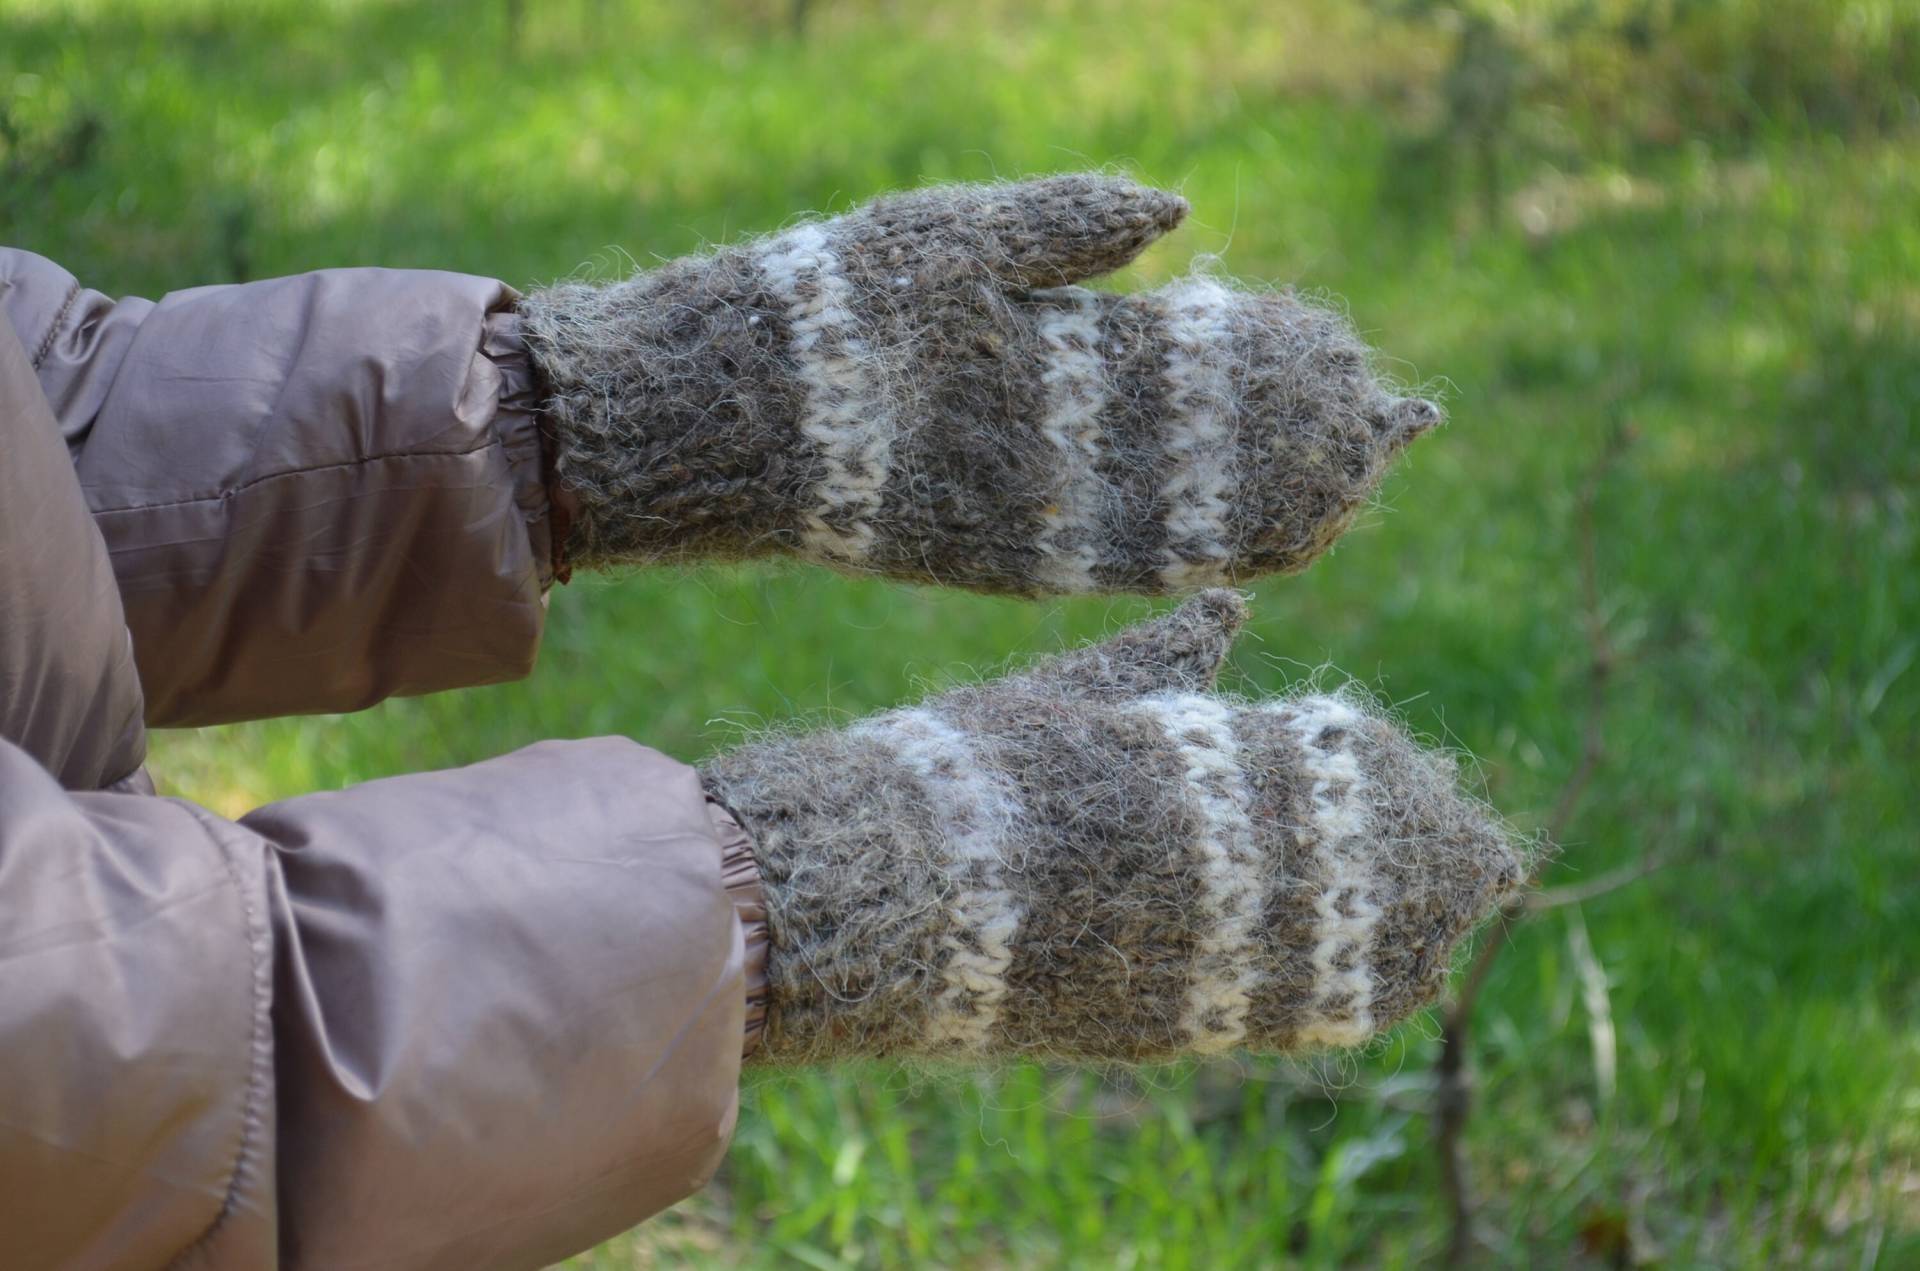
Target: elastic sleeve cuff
(741, 877)
(518, 423)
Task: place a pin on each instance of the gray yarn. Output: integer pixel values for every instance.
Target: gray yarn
(916, 389)
(1098, 859)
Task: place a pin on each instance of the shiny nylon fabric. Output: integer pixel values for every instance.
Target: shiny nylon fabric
(68, 688)
(316, 492)
(135, 1116)
(422, 1023)
(475, 1018)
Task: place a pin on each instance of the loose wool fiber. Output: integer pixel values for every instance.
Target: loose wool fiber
(918, 389)
(1102, 859)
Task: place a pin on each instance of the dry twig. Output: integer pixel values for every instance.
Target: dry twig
(1453, 1096)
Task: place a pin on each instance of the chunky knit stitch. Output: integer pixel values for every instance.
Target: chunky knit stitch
(917, 389)
(1101, 859)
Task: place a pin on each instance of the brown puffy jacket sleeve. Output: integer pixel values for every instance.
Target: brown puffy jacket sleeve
(475, 1018)
(468, 1019)
(315, 492)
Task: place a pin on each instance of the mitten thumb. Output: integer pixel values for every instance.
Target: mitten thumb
(1180, 652)
(1046, 232)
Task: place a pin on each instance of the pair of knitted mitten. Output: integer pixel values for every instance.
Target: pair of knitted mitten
(1101, 859)
(916, 389)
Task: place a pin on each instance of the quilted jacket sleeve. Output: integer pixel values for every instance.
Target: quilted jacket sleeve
(480, 1018)
(315, 492)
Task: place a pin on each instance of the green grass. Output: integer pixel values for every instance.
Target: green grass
(1748, 304)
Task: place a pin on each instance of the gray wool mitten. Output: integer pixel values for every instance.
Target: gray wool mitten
(916, 389)
(1100, 859)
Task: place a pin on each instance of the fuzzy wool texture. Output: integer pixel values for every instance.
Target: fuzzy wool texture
(918, 389)
(1101, 859)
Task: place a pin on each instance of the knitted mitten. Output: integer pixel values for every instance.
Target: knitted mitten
(913, 389)
(1099, 859)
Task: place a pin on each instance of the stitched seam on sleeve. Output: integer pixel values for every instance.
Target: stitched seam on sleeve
(53, 330)
(368, 461)
(259, 1042)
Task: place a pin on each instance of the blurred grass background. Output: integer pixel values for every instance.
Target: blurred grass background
(1691, 224)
